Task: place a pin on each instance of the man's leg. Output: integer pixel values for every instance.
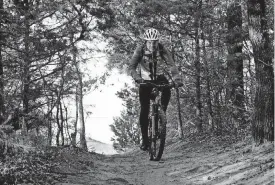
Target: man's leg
(166, 93)
(144, 99)
(165, 98)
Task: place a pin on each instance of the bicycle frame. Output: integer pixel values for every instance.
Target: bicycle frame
(154, 132)
(155, 100)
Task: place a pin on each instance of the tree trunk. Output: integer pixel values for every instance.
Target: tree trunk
(235, 89)
(207, 74)
(218, 117)
(49, 120)
(2, 109)
(215, 122)
(73, 135)
(83, 143)
(57, 122)
(217, 53)
(61, 123)
(79, 92)
(198, 68)
(67, 126)
(180, 127)
(263, 122)
(26, 69)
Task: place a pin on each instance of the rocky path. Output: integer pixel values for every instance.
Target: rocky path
(182, 164)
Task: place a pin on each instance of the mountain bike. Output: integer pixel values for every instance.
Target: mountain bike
(157, 120)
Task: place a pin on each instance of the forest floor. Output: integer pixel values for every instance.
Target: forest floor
(183, 163)
(202, 159)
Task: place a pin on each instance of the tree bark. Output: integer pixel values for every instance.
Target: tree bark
(180, 127)
(67, 125)
(208, 85)
(73, 135)
(57, 122)
(198, 67)
(216, 111)
(2, 109)
(263, 122)
(83, 143)
(235, 89)
(26, 67)
(49, 120)
(61, 123)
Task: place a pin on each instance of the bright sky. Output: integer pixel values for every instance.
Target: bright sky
(102, 102)
(106, 104)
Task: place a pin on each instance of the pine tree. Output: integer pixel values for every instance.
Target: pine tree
(263, 122)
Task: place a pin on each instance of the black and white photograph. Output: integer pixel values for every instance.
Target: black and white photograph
(137, 92)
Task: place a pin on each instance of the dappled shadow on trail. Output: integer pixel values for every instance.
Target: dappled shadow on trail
(182, 163)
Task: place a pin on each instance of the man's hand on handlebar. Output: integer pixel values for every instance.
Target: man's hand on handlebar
(139, 80)
(143, 82)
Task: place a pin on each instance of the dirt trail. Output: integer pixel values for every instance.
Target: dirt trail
(182, 164)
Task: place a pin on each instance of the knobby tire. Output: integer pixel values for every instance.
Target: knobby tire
(162, 121)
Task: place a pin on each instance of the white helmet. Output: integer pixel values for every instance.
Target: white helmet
(151, 34)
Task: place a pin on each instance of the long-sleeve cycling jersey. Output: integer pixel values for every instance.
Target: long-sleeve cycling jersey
(140, 63)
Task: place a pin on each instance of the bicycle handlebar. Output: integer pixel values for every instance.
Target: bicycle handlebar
(153, 84)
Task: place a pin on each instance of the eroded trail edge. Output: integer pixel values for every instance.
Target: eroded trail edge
(182, 163)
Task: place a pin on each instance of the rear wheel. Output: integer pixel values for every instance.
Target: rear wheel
(157, 136)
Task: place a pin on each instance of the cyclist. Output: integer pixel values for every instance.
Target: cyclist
(152, 61)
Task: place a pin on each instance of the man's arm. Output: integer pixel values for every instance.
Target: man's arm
(166, 55)
(137, 56)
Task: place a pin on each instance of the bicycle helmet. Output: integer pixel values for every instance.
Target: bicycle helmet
(151, 34)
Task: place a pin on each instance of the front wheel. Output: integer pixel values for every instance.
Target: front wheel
(157, 135)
